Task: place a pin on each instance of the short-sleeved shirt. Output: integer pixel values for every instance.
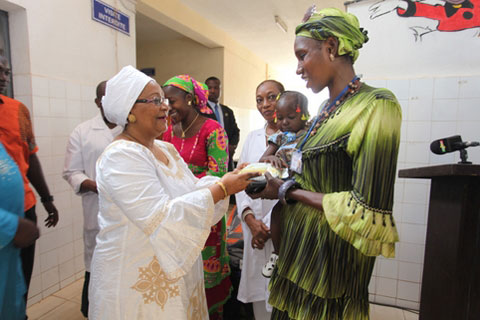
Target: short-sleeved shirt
(16, 134)
(287, 143)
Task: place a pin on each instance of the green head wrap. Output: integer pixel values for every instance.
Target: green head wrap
(332, 22)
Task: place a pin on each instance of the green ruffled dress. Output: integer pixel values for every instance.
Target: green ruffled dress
(327, 257)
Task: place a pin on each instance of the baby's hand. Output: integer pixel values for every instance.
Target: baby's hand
(275, 161)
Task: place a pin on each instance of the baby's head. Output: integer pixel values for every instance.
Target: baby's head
(291, 111)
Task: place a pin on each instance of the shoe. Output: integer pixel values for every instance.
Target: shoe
(267, 269)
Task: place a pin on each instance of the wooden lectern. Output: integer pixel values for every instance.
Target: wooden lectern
(451, 271)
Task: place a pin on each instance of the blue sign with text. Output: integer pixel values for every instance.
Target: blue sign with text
(111, 17)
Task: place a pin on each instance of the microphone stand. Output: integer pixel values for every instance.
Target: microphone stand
(464, 157)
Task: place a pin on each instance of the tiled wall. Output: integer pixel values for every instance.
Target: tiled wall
(57, 107)
(432, 108)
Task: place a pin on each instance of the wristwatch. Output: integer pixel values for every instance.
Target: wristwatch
(282, 191)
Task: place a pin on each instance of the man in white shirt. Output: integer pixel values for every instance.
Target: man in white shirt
(86, 144)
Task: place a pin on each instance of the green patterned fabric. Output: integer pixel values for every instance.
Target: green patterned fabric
(327, 257)
(334, 22)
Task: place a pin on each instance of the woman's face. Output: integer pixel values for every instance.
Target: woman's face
(313, 63)
(267, 99)
(151, 119)
(178, 103)
(288, 119)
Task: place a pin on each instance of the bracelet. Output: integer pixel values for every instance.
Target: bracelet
(223, 188)
(282, 191)
(48, 198)
(245, 213)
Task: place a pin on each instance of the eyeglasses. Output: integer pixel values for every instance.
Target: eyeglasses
(155, 101)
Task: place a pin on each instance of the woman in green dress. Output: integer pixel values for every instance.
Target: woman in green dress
(337, 213)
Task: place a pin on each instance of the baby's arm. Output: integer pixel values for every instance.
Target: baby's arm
(269, 156)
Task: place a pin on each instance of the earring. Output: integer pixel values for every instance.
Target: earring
(304, 117)
(131, 118)
(189, 103)
(275, 117)
(298, 109)
(332, 58)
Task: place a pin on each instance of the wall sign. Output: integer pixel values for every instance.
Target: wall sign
(111, 17)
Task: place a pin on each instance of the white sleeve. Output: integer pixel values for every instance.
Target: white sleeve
(73, 170)
(177, 227)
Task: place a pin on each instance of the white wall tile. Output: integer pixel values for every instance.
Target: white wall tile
(415, 192)
(420, 110)
(414, 213)
(469, 130)
(67, 282)
(408, 291)
(444, 109)
(73, 91)
(66, 270)
(59, 146)
(41, 106)
(22, 85)
(469, 109)
(399, 87)
(413, 233)
(35, 286)
(58, 107)
(385, 300)
(388, 268)
(410, 305)
(386, 287)
(410, 271)
(57, 88)
(88, 93)
(65, 253)
(469, 87)
(371, 285)
(418, 131)
(445, 88)
(78, 246)
(418, 152)
(89, 110)
(40, 86)
(42, 127)
(410, 252)
(74, 109)
(443, 129)
(50, 278)
(48, 241)
(59, 126)
(48, 260)
(376, 83)
(421, 89)
(79, 263)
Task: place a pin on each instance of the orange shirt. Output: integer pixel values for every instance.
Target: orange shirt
(16, 134)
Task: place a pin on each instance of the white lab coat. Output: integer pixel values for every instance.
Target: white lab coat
(254, 286)
(87, 142)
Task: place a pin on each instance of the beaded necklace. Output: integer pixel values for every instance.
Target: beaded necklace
(349, 90)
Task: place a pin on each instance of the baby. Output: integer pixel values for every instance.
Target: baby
(291, 117)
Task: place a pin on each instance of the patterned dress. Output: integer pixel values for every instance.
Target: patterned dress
(206, 153)
(327, 256)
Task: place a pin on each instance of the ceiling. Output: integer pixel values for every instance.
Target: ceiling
(249, 22)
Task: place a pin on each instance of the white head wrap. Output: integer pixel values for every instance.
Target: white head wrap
(121, 93)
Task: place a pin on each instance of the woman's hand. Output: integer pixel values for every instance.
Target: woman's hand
(271, 189)
(260, 232)
(235, 182)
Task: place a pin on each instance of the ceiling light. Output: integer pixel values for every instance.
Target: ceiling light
(281, 24)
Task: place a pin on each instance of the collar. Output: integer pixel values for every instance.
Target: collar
(99, 123)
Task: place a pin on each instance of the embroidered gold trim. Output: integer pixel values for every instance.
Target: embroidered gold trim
(366, 206)
(197, 309)
(154, 284)
(153, 223)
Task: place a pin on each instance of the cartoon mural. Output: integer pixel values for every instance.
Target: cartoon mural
(445, 15)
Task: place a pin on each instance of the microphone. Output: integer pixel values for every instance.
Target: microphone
(451, 144)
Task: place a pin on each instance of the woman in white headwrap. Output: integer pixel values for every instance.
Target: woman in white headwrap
(154, 214)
